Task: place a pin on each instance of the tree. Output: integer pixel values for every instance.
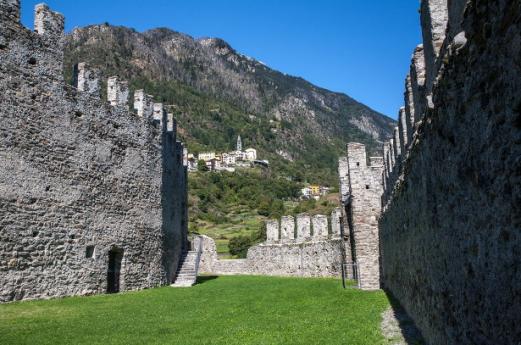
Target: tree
(239, 245)
(201, 166)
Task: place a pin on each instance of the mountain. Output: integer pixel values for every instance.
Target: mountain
(217, 93)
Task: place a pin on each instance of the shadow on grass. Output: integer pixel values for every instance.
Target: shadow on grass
(204, 279)
(410, 333)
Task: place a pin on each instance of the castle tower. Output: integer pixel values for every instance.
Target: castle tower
(239, 144)
(362, 208)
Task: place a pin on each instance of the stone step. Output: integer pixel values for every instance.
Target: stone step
(185, 280)
(186, 272)
(186, 275)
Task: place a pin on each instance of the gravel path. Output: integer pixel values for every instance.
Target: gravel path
(398, 328)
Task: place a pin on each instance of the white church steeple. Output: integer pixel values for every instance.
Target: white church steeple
(239, 144)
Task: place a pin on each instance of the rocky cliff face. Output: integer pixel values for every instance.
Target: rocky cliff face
(297, 114)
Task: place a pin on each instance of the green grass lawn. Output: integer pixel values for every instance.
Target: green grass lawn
(219, 310)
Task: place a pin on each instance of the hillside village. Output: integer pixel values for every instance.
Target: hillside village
(226, 161)
(420, 246)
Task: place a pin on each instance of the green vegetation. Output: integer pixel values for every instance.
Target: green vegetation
(225, 310)
(233, 206)
(213, 102)
(227, 205)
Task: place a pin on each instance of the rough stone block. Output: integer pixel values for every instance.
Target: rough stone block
(117, 92)
(170, 126)
(303, 227)
(336, 216)
(320, 227)
(397, 147)
(417, 73)
(343, 173)
(272, 231)
(402, 131)
(143, 104)
(158, 112)
(287, 229)
(86, 79)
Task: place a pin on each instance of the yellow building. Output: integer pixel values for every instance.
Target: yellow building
(315, 189)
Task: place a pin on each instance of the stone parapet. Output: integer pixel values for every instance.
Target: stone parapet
(307, 259)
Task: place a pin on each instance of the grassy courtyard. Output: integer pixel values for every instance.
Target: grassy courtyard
(219, 310)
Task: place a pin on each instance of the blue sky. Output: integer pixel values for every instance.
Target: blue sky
(358, 47)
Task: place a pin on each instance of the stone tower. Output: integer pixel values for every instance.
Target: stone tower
(361, 186)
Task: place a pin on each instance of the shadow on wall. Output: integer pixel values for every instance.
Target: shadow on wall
(204, 279)
(396, 321)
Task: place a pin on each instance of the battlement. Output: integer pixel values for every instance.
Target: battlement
(441, 27)
(287, 229)
(143, 104)
(117, 92)
(303, 228)
(158, 112)
(433, 18)
(48, 23)
(87, 79)
(356, 156)
(402, 130)
(171, 123)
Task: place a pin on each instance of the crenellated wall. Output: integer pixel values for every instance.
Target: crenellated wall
(313, 252)
(79, 178)
(450, 229)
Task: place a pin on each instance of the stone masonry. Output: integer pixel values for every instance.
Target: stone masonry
(303, 227)
(361, 186)
(450, 227)
(319, 255)
(287, 229)
(92, 196)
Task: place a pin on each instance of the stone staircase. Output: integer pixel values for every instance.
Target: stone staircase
(187, 271)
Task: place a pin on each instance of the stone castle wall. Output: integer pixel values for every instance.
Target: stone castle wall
(79, 177)
(450, 229)
(308, 247)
